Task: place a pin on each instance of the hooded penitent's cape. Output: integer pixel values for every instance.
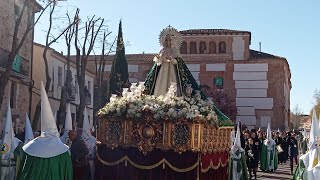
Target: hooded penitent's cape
(309, 167)
(28, 136)
(87, 136)
(8, 145)
(67, 127)
(237, 161)
(269, 161)
(46, 157)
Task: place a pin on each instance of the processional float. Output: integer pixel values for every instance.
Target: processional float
(162, 137)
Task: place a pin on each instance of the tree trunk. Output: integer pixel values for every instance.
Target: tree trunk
(36, 118)
(4, 78)
(62, 108)
(64, 95)
(82, 100)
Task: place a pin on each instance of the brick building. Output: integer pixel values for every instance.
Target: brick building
(305, 122)
(20, 76)
(259, 82)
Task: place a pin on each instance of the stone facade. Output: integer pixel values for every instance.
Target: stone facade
(259, 82)
(57, 65)
(20, 77)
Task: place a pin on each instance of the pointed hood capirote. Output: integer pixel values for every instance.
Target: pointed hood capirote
(86, 124)
(55, 117)
(87, 129)
(7, 135)
(68, 122)
(237, 141)
(48, 144)
(269, 135)
(28, 136)
(313, 131)
(67, 125)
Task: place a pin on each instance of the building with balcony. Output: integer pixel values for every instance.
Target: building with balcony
(57, 65)
(20, 76)
(260, 83)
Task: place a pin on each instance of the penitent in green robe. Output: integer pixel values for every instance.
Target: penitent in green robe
(54, 168)
(243, 167)
(299, 172)
(264, 164)
(184, 77)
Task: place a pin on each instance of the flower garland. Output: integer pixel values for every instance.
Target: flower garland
(168, 107)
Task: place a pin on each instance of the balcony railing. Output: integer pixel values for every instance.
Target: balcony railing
(20, 64)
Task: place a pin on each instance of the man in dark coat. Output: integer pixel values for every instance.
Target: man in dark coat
(285, 148)
(293, 150)
(252, 154)
(79, 155)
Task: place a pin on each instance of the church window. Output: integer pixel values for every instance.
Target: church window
(203, 48)
(222, 47)
(183, 48)
(212, 47)
(193, 48)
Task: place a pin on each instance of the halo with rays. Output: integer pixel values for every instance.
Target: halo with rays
(176, 40)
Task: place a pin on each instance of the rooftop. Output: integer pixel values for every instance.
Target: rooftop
(262, 55)
(129, 57)
(213, 31)
(216, 32)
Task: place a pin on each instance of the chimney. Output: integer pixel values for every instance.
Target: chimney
(259, 46)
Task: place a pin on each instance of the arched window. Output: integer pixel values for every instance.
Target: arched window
(222, 47)
(203, 47)
(212, 47)
(193, 48)
(183, 48)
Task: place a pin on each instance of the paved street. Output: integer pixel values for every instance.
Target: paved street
(282, 173)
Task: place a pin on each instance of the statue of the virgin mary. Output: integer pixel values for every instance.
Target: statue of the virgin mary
(169, 67)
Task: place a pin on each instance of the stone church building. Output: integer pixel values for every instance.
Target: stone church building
(259, 82)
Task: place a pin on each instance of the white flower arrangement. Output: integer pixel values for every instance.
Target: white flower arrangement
(168, 107)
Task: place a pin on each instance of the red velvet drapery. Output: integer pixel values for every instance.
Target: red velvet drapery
(130, 164)
(214, 166)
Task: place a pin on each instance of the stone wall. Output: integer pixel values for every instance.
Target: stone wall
(7, 21)
(21, 105)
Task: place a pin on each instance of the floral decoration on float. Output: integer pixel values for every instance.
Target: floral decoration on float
(132, 104)
(163, 122)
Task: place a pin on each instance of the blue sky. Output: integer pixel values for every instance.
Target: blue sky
(286, 28)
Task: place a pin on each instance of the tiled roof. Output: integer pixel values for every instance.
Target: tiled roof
(261, 55)
(213, 31)
(130, 57)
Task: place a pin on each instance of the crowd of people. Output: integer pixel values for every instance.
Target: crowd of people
(286, 144)
(28, 155)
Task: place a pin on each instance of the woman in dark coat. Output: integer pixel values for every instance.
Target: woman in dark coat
(293, 148)
(278, 140)
(252, 154)
(285, 148)
(260, 141)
